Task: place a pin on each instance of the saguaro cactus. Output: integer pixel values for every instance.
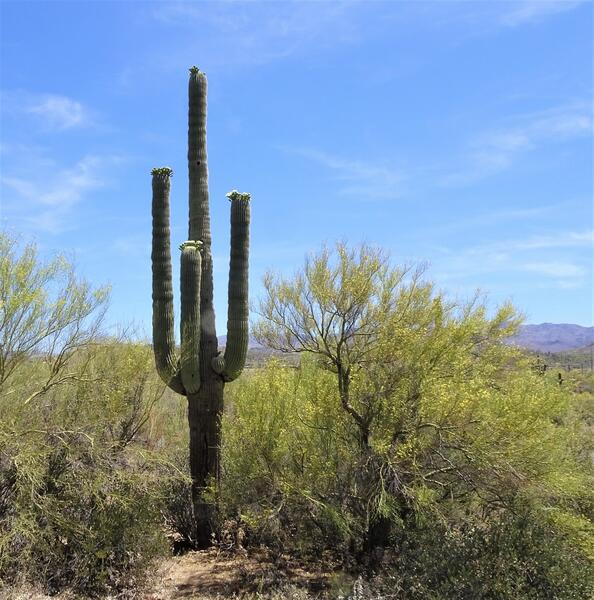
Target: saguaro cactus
(199, 372)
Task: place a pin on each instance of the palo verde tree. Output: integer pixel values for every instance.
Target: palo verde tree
(48, 315)
(337, 308)
(387, 335)
(200, 371)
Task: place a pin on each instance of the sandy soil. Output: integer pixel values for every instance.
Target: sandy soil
(213, 575)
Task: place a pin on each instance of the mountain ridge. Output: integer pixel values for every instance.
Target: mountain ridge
(540, 337)
(553, 337)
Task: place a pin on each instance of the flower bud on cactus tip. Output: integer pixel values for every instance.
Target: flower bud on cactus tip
(235, 195)
(196, 244)
(162, 171)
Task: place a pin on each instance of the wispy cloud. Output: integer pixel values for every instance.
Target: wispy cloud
(556, 269)
(496, 150)
(509, 248)
(255, 33)
(489, 153)
(561, 260)
(490, 219)
(52, 112)
(44, 198)
(60, 112)
(531, 11)
(364, 179)
(563, 239)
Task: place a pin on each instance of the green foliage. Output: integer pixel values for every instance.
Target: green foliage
(492, 500)
(512, 555)
(282, 448)
(46, 312)
(412, 418)
(75, 517)
(81, 490)
(477, 466)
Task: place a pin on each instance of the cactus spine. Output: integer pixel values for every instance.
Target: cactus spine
(200, 372)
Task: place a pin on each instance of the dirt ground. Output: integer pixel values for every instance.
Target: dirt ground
(211, 574)
(215, 575)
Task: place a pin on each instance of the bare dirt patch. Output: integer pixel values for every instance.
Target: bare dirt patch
(212, 574)
(215, 575)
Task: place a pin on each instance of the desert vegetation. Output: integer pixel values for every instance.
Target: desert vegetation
(390, 445)
(404, 450)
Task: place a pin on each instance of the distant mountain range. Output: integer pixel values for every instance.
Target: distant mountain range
(222, 339)
(554, 337)
(545, 337)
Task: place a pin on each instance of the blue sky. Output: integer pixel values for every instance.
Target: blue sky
(459, 133)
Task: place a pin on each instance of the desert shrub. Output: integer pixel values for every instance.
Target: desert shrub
(76, 515)
(82, 487)
(493, 500)
(426, 414)
(81, 504)
(286, 447)
(178, 512)
(515, 556)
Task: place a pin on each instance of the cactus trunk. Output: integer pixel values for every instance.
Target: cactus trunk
(205, 409)
(200, 372)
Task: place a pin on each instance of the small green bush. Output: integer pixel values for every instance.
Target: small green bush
(76, 516)
(82, 494)
(85, 475)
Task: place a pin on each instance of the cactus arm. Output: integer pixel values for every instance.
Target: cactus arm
(163, 336)
(191, 265)
(233, 362)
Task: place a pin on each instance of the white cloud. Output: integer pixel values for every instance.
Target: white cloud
(507, 247)
(366, 180)
(489, 153)
(253, 33)
(531, 11)
(59, 112)
(562, 260)
(496, 150)
(52, 112)
(556, 269)
(489, 219)
(568, 284)
(563, 239)
(67, 186)
(44, 198)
